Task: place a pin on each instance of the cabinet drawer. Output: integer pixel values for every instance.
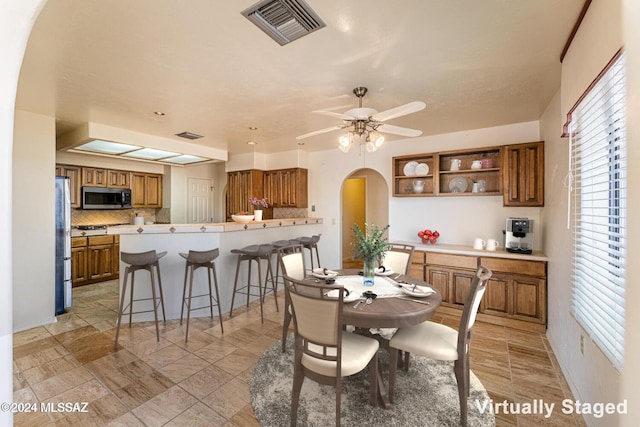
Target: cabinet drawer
(527, 268)
(100, 240)
(461, 261)
(418, 257)
(78, 242)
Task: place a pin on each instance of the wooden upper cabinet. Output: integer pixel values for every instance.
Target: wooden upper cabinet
(118, 179)
(75, 181)
(242, 185)
(286, 188)
(146, 190)
(94, 177)
(524, 174)
(272, 188)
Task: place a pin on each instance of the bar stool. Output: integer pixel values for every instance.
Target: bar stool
(255, 253)
(195, 260)
(311, 243)
(141, 261)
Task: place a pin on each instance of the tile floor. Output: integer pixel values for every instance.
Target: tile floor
(206, 382)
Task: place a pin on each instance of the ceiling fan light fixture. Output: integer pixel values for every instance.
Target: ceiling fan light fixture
(345, 142)
(376, 139)
(366, 124)
(371, 147)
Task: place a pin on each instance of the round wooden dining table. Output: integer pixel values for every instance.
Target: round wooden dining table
(394, 312)
(389, 312)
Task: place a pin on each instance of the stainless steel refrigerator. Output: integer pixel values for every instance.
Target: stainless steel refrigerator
(63, 244)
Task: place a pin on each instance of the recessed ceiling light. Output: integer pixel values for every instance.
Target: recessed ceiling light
(151, 154)
(107, 147)
(253, 128)
(252, 143)
(185, 159)
(158, 113)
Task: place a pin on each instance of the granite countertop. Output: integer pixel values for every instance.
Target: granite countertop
(220, 227)
(453, 249)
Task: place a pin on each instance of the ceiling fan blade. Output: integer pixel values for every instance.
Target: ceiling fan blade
(333, 114)
(397, 130)
(402, 110)
(318, 132)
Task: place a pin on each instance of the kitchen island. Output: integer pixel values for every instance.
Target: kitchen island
(176, 238)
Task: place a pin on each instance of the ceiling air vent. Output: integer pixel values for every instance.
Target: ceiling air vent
(188, 135)
(284, 20)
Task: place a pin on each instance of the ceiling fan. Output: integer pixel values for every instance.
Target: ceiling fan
(365, 123)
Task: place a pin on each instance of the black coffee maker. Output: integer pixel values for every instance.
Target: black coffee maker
(518, 236)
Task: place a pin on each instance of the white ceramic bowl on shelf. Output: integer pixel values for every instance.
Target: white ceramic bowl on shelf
(243, 219)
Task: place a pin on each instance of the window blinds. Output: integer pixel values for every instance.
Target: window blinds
(599, 169)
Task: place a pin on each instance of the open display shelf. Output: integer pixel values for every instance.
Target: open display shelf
(408, 182)
(438, 181)
(475, 166)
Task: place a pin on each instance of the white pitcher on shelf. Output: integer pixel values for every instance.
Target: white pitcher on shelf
(418, 186)
(455, 164)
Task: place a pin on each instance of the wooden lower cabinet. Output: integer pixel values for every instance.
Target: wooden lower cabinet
(79, 261)
(417, 265)
(515, 295)
(94, 259)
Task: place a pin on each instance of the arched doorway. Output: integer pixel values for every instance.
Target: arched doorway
(365, 198)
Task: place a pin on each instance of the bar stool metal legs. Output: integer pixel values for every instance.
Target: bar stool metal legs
(195, 260)
(311, 243)
(255, 253)
(141, 261)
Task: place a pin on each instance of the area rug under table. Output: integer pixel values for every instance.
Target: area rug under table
(427, 395)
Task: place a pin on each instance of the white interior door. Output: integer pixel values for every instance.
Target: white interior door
(199, 200)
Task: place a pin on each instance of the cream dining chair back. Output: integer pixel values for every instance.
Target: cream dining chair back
(398, 257)
(291, 261)
(437, 341)
(323, 351)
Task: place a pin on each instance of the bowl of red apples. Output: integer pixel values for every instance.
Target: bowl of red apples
(428, 236)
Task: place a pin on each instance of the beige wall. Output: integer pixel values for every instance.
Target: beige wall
(33, 220)
(16, 21)
(591, 375)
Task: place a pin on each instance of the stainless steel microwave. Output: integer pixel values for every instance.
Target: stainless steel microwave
(106, 198)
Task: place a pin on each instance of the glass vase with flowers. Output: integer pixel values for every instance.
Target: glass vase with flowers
(370, 246)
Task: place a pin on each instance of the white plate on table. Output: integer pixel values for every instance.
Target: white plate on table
(422, 169)
(323, 273)
(420, 291)
(384, 272)
(458, 185)
(410, 169)
(353, 296)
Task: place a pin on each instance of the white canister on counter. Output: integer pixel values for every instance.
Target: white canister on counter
(138, 219)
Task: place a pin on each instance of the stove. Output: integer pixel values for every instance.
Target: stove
(91, 227)
(88, 230)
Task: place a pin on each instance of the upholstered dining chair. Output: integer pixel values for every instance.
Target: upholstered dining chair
(437, 341)
(323, 351)
(398, 257)
(291, 261)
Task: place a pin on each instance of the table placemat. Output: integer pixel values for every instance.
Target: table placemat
(384, 287)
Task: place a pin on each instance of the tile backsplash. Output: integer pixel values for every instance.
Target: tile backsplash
(116, 216)
(289, 213)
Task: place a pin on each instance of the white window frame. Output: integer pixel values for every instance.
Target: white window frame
(597, 131)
